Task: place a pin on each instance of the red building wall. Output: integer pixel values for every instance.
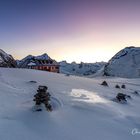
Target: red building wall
(47, 68)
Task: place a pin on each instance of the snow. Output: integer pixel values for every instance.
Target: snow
(6, 60)
(5, 55)
(31, 64)
(82, 69)
(43, 57)
(29, 60)
(83, 109)
(87, 96)
(126, 63)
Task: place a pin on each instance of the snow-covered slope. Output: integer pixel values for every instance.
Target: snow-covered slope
(6, 60)
(43, 57)
(125, 63)
(83, 109)
(80, 69)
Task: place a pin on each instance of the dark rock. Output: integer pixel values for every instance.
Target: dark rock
(117, 86)
(123, 86)
(104, 83)
(33, 81)
(39, 109)
(135, 92)
(128, 96)
(121, 97)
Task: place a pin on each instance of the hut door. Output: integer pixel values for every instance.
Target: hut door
(49, 69)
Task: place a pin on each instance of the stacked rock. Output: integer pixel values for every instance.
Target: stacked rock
(43, 97)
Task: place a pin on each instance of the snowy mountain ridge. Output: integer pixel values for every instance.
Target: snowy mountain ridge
(126, 63)
(6, 60)
(73, 68)
(30, 58)
(42, 57)
(82, 69)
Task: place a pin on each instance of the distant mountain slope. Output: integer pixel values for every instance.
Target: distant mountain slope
(6, 60)
(30, 58)
(126, 63)
(66, 68)
(80, 69)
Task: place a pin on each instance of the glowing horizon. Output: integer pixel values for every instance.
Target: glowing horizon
(71, 30)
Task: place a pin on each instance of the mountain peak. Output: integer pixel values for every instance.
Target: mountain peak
(43, 56)
(6, 60)
(31, 58)
(125, 63)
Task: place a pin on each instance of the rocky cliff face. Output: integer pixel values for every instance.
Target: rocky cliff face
(6, 60)
(126, 63)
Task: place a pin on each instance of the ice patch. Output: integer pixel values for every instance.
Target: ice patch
(87, 96)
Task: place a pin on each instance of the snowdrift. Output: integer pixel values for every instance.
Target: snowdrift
(83, 109)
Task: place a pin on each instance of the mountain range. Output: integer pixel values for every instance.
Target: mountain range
(126, 63)
(81, 69)
(30, 58)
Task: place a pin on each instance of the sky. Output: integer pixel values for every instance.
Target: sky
(71, 30)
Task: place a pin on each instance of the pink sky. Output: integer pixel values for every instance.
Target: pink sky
(72, 30)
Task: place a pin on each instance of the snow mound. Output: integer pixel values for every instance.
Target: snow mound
(83, 109)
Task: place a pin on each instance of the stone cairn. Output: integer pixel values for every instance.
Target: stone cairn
(42, 97)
